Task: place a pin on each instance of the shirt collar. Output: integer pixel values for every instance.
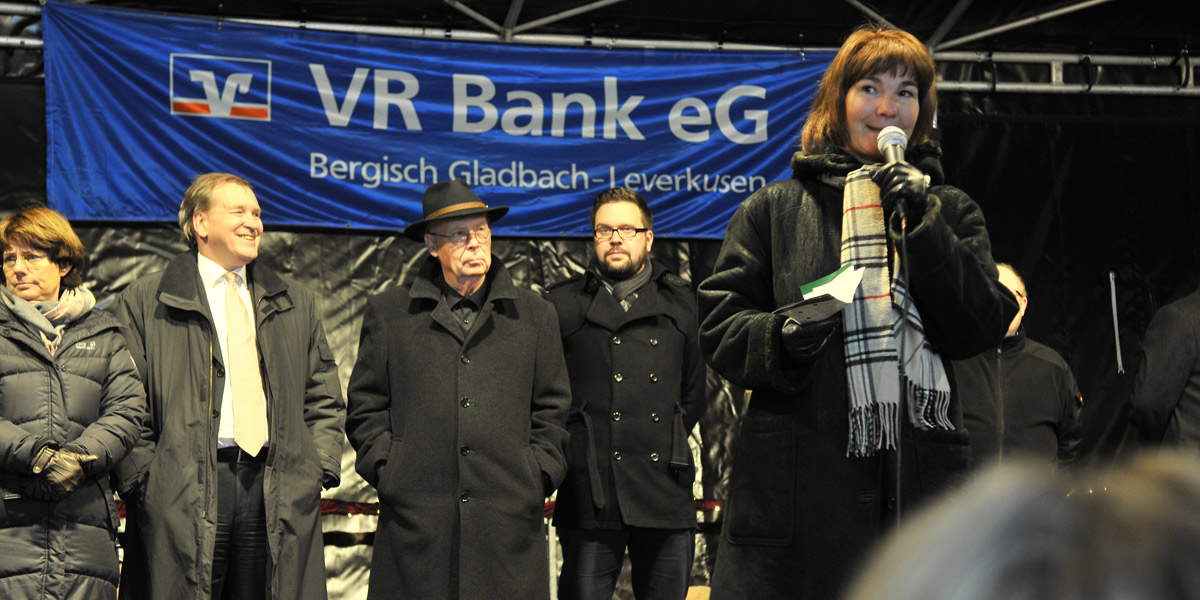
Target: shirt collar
(211, 272)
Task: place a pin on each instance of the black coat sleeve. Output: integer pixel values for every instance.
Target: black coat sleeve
(964, 307)
(368, 420)
(739, 335)
(1168, 359)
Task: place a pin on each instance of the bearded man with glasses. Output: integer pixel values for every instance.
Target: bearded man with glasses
(458, 405)
(629, 331)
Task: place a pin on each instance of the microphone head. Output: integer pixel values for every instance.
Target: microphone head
(891, 136)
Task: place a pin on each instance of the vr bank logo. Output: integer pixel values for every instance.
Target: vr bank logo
(220, 86)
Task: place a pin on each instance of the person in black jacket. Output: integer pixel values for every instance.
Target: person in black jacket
(1165, 401)
(211, 513)
(1019, 397)
(637, 381)
(71, 408)
(815, 478)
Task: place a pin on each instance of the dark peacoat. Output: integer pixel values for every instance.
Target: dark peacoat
(637, 385)
(169, 479)
(462, 437)
(801, 512)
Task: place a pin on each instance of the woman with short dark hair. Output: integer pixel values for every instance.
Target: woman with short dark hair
(815, 478)
(71, 406)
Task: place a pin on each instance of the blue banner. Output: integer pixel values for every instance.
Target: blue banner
(345, 130)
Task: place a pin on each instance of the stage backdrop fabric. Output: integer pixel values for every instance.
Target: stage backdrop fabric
(347, 130)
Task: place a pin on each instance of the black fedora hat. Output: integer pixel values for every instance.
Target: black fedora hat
(450, 200)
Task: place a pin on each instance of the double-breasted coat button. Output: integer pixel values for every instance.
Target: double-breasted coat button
(466, 359)
(465, 497)
(617, 340)
(617, 378)
(465, 450)
(220, 372)
(653, 341)
(653, 378)
(654, 417)
(654, 457)
(466, 402)
(616, 415)
(616, 456)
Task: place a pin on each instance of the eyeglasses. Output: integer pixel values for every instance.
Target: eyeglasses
(459, 238)
(32, 259)
(627, 232)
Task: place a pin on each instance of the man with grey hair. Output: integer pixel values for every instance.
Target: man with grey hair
(246, 416)
(458, 405)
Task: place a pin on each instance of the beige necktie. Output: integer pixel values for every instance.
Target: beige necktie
(245, 381)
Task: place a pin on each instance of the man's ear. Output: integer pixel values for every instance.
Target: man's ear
(429, 245)
(200, 224)
(649, 239)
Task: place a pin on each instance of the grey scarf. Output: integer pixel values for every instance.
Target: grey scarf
(879, 323)
(625, 290)
(49, 318)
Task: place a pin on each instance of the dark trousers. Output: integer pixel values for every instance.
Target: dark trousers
(660, 561)
(240, 557)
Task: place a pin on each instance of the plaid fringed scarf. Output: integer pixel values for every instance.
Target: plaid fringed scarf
(876, 330)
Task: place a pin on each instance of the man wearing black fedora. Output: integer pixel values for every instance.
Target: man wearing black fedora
(457, 410)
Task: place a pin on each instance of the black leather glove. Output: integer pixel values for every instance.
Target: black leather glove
(902, 181)
(64, 470)
(806, 340)
(43, 456)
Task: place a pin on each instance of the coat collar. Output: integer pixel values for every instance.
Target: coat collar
(425, 288)
(606, 312)
(180, 286)
(1014, 343)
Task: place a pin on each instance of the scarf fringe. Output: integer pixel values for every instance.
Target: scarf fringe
(871, 428)
(928, 409)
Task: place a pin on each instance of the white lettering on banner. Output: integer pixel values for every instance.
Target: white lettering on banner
(614, 115)
(558, 113)
(370, 173)
(477, 91)
(687, 182)
(518, 176)
(463, 101)
(689, 119)
(677, 120)
(339, 116)
(680, 122)
(759, 117)
(385, 98)
(220, 103)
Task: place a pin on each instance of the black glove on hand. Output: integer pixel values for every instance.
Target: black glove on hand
(44, 454)
(64, 471)
(900, 180)
(806, 340)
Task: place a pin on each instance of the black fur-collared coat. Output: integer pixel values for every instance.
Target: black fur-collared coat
(800, 511)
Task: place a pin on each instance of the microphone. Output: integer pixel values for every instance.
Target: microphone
(891, 142)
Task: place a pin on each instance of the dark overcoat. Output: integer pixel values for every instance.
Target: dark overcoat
(462, 437)
(1165, 402)
(800, 512)
(86, 398)
(169, 479)
(637, 385)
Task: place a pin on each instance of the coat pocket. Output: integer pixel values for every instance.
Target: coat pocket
(762, 496)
